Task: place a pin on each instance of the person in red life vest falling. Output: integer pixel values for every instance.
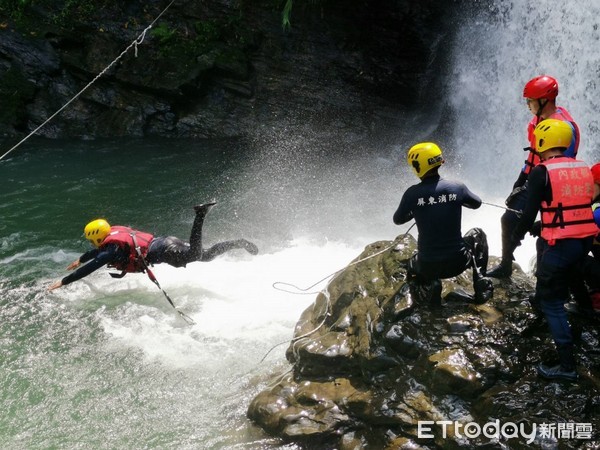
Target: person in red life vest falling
(129, 250)
(562, 189)
(540, 94)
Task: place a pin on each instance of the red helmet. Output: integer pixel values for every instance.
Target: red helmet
(541, 87)
(596, 173)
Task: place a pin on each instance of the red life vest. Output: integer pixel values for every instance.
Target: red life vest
(570, 213)
(129, 240)
(560, 114)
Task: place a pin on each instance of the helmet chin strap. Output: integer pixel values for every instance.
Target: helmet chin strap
(538, 114)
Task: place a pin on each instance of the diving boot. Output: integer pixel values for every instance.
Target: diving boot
(248, 246)
(577, 309)
(484, 290)
(204, 207)
(565, 370)
(503, 270)
(536, 305)
(433, 293)
(557, 372)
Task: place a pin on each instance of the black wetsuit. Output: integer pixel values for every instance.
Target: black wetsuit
(436, 205)
(162, 249)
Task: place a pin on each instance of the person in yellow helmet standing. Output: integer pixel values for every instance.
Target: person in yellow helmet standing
(436, 206)
(130, 250)
(561, 189)
(540, 95)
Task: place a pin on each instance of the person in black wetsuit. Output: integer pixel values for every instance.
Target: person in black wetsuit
(436, 205)
(129, 250)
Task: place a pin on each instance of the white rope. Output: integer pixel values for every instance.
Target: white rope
(325, 293)
(516, 211)
(305, 335)
(304, 291)
(135, 43)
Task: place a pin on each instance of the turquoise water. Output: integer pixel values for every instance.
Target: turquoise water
(106, 363)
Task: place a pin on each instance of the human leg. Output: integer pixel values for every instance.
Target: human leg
(560, 329)
(222, 247)
(195, 250)
(508, 222)
(168, 249)
(428, 286)
(555, 265)
(197, 253)
(476, 241)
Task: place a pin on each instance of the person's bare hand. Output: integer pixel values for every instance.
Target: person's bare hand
(73, 265)
(55, 286)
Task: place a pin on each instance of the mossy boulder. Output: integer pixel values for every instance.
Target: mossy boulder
(371, 360)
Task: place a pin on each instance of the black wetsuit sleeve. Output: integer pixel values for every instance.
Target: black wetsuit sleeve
(404, 212)
(537, 191)
(110, 253)
(471, 200)
(521, 180)
(88, 256)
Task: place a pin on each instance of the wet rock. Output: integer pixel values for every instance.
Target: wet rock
(372, 361)
(219, 68)
(453, 373)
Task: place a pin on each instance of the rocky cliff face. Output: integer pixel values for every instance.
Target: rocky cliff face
(219, 68)
(370, 361)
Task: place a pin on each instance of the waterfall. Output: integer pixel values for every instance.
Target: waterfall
(498, 49)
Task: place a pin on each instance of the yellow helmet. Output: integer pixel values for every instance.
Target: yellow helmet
(423, 157)
(96, 231)
(552, 133)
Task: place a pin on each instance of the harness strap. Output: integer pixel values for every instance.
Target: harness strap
(138, 250)
(559, 221)
(146, 269)
(565, 208)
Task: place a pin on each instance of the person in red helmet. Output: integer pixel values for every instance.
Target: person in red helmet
(540, 95)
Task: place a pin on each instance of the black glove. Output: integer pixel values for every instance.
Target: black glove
(515, 192)
(536, 229)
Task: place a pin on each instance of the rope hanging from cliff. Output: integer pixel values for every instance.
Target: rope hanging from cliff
(134, 44)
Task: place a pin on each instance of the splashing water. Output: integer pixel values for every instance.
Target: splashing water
(108, 363)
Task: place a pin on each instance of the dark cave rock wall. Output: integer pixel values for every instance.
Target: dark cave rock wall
(218, 68)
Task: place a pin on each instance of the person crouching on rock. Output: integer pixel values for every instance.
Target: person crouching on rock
(436, 205)
(129, 250)
(562, 189)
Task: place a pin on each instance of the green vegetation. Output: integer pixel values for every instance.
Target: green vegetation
(287, 13)
(285, 16)
(220, 38)
(179, 43)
